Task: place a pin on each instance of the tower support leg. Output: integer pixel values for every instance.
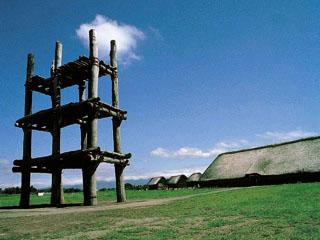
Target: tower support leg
(89, 171)
(57, 196)
(27, 138)
(119, 168)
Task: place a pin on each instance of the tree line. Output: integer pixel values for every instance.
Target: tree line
(17, 190)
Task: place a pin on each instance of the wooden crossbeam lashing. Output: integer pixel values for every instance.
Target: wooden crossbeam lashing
(86, 113)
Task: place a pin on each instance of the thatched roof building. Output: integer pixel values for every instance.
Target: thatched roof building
(157, 183)
(178, 181)
(279, 163)
(193, 180)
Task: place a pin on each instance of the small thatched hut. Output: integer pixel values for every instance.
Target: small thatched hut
(157, 183)
(179, 181)
(193, 180)
(287, 162)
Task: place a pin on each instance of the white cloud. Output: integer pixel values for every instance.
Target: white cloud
(286, 136)
(192, 152)
(127, 37)
(72, 180)
(161, 152)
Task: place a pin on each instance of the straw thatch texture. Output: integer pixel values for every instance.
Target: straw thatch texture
(157, 183)
(177, 181)
(193, 180)
(300, 156)
(195, 177)
(154, 181)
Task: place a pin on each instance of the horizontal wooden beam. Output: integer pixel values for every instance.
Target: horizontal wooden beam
(35, 127)
(74, 159)
(114, 161)
(78, 154)
(31, 169)
(72, 113)
(115, 155)
(40, 84)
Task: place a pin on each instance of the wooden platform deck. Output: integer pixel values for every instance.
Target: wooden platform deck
(69, 74)
(72, 113)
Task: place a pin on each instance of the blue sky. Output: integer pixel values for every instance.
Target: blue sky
(196, 77)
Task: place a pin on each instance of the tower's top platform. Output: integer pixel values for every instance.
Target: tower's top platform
(69, 74)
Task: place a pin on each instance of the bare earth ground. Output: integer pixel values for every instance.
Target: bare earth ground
(104, 206)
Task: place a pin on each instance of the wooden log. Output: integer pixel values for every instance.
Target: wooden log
(83, 132)
(33, 127)
(27, 137)
(121, 195)
(83, 125)
(112, 160)
(106, 110)
(66, 156)
(40, 84)
(57, 197)
(75, 159)
(32, 170)
(77, 155)
(104, 69)
(39, 128)
(69, 114)
(71, 73)
(116, 155)
(88, 171)
(74, 72)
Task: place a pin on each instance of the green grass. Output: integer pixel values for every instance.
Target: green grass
(271, 212)
(109, 195)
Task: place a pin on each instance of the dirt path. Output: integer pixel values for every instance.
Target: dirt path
(105, 206)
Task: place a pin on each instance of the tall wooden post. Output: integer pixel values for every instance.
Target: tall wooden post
(57, 197)
(84, 134)
(83, 127)
(121, 195)
(89, 175)
(27, 137)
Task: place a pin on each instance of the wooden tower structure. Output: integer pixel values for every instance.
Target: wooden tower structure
(86, 113)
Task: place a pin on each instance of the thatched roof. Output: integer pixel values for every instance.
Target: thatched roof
(195, 177)
(302, 155)
(154, 181)
(176, 179)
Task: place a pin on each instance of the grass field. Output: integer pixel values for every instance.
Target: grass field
(271, 212)
(105, 196)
